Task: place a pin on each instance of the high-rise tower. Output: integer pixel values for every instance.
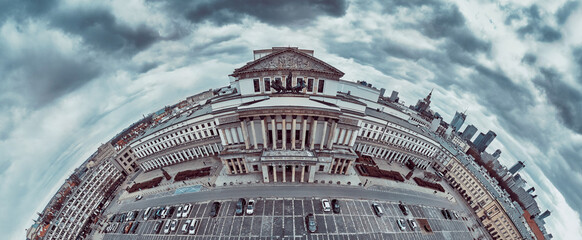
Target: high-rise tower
(483, 141)
(458, 121)
(469, 132)
(515, 168)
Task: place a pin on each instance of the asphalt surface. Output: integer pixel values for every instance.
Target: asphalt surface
(281, 210)
(287, 191)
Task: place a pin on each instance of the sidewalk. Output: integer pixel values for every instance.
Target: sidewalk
(410, 184)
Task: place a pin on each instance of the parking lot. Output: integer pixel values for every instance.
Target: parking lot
(285, 219)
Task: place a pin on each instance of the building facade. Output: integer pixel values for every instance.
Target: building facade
(288, 116)
(97, 178)
(458, 121)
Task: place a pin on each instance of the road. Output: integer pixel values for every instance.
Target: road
(288, 191)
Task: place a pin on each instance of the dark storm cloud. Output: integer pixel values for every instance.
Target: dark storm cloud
(21, 10)
(537, 26)
(565, 11)
(279, 13)
(529, 59)
(564, 98)
(43, 75)
(99, 28)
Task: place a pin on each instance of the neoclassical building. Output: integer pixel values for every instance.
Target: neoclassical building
(289, 116)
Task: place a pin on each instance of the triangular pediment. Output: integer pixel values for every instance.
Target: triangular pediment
(289, 59)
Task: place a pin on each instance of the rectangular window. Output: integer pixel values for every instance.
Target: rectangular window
(320, 86)
(321, 167)
(310, 85)
(267, 84)
(257, 86)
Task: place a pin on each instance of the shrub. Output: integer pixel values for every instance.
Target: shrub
(423, 183)
(145, 185)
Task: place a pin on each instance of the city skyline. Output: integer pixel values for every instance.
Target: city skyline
(90, 88)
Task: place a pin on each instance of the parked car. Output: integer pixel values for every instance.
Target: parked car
(377, 209)
(335, 205)
(193, 226)
(138, 197)
(158, 226)
(186, 210)
(185, 226)
(401, 224)
(251, 207)
(448, 214)
(310, 223)
(214, 209)
(404, 209)
(326, 205)
(147, 213)
(171, 211)
(444, 213)
(412, 224)
(173, 225)
(167, 227)
(240, 206)
(127, 227)
(134, 227)
(179, 212)
(165, 212)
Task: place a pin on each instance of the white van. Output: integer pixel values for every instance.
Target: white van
(326, 205)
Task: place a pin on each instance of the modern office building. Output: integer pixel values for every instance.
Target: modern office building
(515, 168)
(458, 121)
(483, 140)
(497, 153)
(544, 215)
(469, 132)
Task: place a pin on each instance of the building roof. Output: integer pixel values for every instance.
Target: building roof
(288, 59)
(533, 226)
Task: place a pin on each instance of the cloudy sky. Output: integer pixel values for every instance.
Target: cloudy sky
(74, 73)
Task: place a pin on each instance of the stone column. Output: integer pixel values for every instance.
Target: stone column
(338, 164)
(243, 126)
(302, 173)
(284, 132)
(223, 139)
(265, 139)
(225, 163)
(332, 135)
(226, 140)
(254, 134)
(313, 129)
(341, 135)
(323, 134)
(274, 173)
(348, 167)
(303, 132)
(234, 134)
(274, 132)
(293, 173)
(239, 166)
(293, 126)
(265, 171)
(284, 173)
(348, 136)
(331, 166)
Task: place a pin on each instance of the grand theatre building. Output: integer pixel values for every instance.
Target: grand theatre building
(289, 116)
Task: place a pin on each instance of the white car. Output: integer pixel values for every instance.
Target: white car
(167, 227)
(186, 210)
(165, 212)
(179, 212)
(173, 225)
(326, 205)
(147, 213)
(412, 224)
(185, 226)
(193, 226)
(401, 224)
(251, 207)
